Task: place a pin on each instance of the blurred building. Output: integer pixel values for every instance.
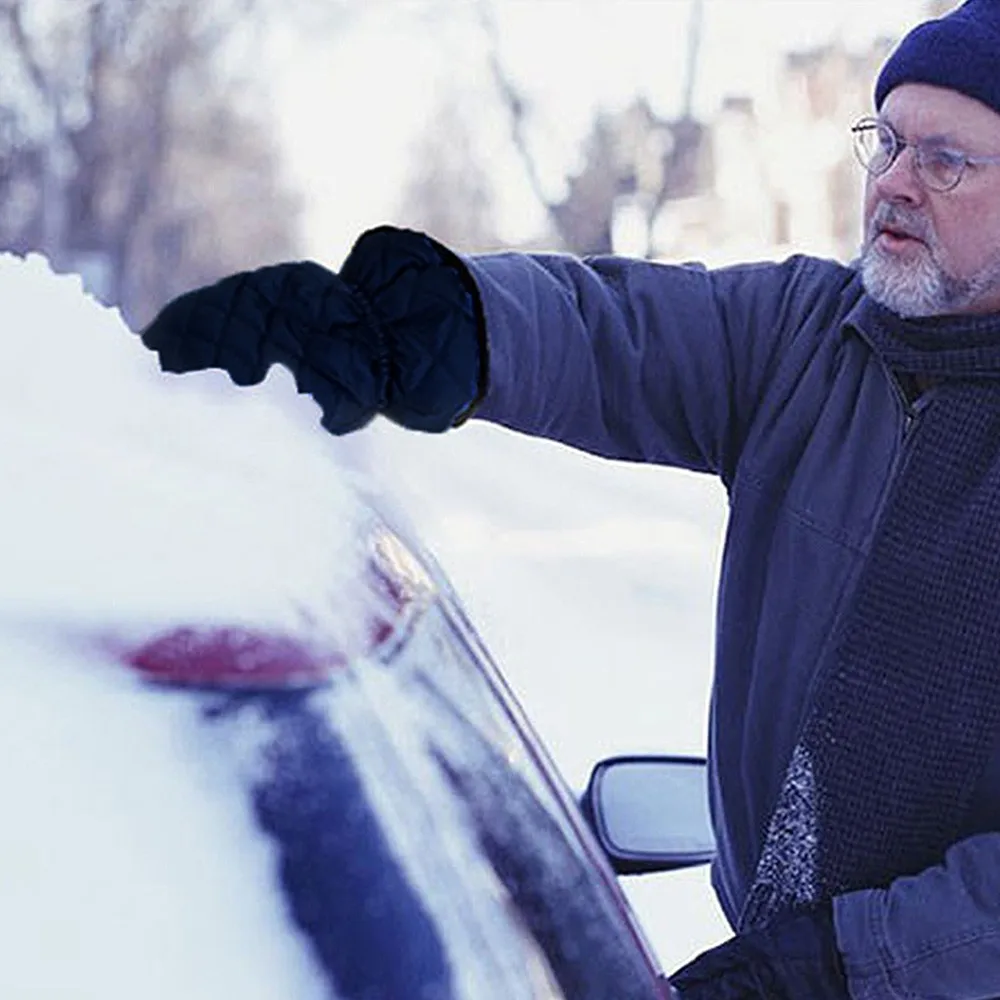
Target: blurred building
(764, 180)
(778, 179)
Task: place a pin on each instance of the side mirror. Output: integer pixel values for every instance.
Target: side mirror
(650, 813)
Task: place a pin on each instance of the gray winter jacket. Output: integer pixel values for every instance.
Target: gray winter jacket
(760, 375)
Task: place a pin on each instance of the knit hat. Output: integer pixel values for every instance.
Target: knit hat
(960, 51)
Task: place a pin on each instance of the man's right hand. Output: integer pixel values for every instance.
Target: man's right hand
(398, 331)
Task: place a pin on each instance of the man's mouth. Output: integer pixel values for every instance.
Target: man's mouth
(895, 238)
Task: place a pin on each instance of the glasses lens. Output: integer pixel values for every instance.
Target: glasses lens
(941, 169)
(874, 146)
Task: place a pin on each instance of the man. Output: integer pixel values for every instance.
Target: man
(853, 414)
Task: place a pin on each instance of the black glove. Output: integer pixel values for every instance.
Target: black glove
(793, 958)
(399, 331)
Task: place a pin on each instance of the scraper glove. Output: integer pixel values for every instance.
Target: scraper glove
(398, 331)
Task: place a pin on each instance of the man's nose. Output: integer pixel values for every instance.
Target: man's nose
(900, 182)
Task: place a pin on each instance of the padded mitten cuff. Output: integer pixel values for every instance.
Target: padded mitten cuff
(423, 306)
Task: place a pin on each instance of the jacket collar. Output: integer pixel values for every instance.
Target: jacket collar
(942, 347)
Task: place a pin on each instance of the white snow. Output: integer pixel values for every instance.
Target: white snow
(127, 867)
(149, 495)
(133, 500)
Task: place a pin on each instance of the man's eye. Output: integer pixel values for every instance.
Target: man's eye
(944, 159)
(882, 139)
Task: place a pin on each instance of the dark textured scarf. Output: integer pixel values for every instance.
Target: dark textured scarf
(906, 704)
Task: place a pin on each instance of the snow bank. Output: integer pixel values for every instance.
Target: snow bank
(129, 864)
(138, 494)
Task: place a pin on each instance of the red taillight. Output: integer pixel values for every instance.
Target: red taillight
(231, 658)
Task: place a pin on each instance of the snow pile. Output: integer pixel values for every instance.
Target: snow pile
(129, 864)
(144, 495)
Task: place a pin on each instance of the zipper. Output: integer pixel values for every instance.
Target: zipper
(909, 413)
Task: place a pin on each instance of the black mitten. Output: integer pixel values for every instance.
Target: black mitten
(399, 331)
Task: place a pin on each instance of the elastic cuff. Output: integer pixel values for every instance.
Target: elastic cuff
(438, 364)
(454, 261)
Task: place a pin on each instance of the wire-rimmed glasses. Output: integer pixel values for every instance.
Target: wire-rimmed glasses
(878, 145)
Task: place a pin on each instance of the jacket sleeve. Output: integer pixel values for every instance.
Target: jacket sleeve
(632, 359)
(934, 934)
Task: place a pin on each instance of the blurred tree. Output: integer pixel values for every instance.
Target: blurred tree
(132, 144)
(633, 160)
(449, 194)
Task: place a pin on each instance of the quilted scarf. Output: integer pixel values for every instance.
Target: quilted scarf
(905, 706)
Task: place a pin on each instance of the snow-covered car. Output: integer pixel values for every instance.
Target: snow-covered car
(252, 745)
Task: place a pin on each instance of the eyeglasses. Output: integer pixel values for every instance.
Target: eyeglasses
(877, 146)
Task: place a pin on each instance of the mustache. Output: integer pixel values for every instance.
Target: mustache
(900, 220)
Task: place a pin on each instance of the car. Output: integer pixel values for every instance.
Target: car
(254, 745)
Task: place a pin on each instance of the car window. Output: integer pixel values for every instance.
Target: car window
(555, 892)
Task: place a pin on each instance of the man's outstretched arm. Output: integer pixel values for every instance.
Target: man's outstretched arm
(624, 358)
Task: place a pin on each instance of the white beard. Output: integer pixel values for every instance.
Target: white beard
(919, 286)
(909, 288)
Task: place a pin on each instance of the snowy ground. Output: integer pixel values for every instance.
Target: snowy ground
(591, 582)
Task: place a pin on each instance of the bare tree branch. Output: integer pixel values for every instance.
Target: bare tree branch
(516, 106)
(148, 174)
(13, 14)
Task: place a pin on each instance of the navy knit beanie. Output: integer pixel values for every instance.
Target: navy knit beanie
(960, 51)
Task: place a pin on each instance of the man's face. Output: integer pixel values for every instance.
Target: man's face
(926, 252)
